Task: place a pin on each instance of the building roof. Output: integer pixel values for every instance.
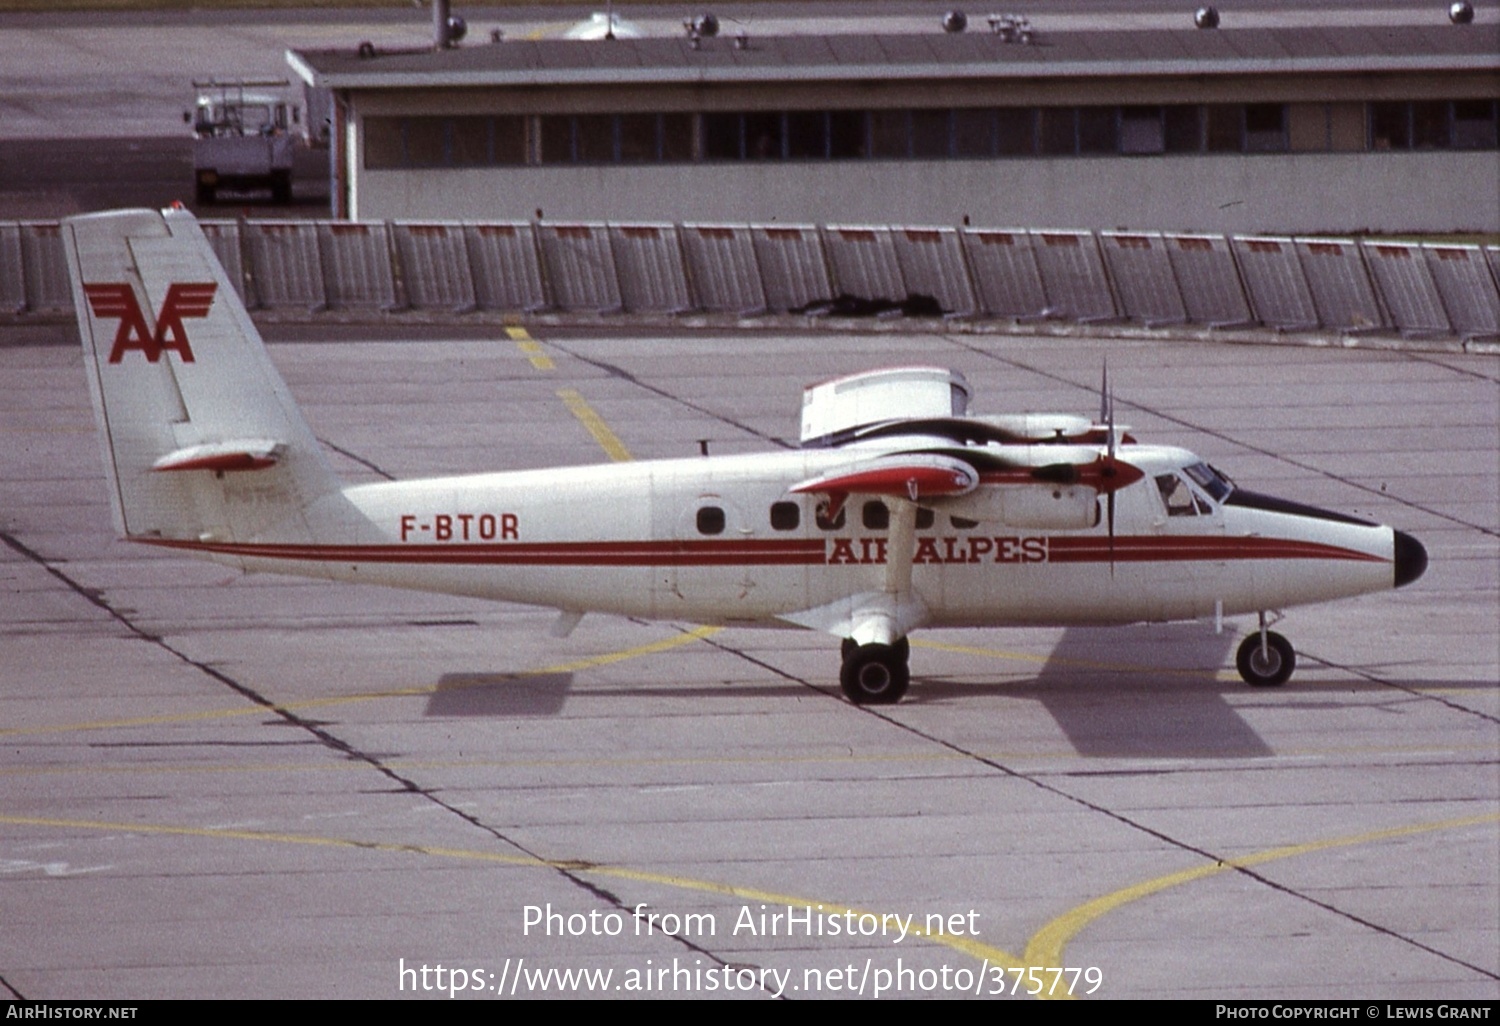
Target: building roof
(975, 54)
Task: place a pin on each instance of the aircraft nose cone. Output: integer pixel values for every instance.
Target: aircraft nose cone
(1411, 559)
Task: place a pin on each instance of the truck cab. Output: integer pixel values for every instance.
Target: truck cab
(244, 138)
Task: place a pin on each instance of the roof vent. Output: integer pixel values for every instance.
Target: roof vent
(955, 21)
(1461, 13)
(1206, 17)
(1011, 28)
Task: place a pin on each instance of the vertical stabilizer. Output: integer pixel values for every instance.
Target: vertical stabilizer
(201, 438)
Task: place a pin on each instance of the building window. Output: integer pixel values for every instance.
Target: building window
(594, 139)
(721, 137)
(444, 142)
(974, 133)
(1141, 130)
(557, 140)
(1225, 128)
(929, 133)
(807, 135)
(1059, 133)
(640, 138)
(763, 136)
(1182, 129)
(1098, 131)
(677, 137)
(1474, 124)
(473, 141)
(1390, 126)
(1265, 128)
(890, 133)
(1015, 132)
(384, 144)
(848, 135)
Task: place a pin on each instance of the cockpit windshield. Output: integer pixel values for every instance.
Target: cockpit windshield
(1210, 480)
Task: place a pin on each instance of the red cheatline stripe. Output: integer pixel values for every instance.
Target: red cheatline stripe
(640, 553)
(775, 552)
(1130, 549)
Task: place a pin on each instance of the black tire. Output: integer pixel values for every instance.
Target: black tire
(875, 675)
(1268, 670)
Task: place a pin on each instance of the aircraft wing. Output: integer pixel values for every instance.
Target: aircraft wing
(913, 476)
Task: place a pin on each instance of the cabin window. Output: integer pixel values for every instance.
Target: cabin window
(964, 523)
(825, 522)
(710, 520)
(875, 516)
(785, 516)
(925, 518)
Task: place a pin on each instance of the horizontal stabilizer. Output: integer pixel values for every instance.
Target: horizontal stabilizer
(252, 454)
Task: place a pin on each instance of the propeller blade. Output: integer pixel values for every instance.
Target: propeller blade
(1112, 466)
(1110, 504)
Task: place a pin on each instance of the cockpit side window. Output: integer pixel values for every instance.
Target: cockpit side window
(1210, 480)
(1178, 497)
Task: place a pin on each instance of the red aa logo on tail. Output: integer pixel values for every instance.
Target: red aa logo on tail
(183, 300)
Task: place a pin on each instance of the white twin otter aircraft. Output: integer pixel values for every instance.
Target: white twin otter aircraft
(899, 512)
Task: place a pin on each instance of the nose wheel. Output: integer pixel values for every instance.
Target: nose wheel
(875, 674)
(1266, 659)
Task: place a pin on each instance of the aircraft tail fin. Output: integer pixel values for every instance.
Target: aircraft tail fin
(202, 441)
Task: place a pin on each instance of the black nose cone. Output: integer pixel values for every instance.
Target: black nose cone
(1411, 559)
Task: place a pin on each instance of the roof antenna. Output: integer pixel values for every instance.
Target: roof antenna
(1104, 403)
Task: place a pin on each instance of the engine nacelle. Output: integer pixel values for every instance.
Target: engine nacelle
(1047, 507)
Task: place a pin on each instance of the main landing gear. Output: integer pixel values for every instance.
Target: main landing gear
(1265, 658)
(875, 674)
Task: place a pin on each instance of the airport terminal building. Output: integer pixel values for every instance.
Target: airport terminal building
(1300, 130)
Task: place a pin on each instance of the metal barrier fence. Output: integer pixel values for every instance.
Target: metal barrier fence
(1149, 278)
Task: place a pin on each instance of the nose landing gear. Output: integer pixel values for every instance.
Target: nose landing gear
(1265, 658)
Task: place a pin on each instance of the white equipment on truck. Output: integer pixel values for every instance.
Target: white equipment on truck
(245, 138)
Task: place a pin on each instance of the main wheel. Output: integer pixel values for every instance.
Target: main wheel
(1269, 668)
(875, 675)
